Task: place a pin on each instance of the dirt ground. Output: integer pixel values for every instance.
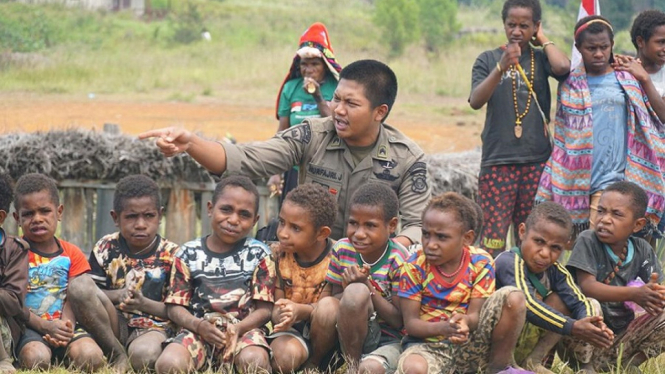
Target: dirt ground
(448, 129)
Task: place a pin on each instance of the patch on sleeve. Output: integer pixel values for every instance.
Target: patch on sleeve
(301, 133)
(418, 174)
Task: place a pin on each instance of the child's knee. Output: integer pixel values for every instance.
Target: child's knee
(515, 303)
(252, 359)
(356, 297)
(288, 356)
(86, 355)
(325, 313)
(176, 360)
(81, 288)
(414, 364)
(144, 356)
(554, 301)
(35, 355)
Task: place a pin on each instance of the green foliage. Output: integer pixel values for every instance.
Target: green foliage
(438, 22)
(187, 24)
(398, 20)
(28, 32)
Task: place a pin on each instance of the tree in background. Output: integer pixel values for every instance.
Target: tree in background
(398, 20)
(438, 22)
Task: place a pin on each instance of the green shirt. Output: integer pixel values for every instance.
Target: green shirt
(298, 105)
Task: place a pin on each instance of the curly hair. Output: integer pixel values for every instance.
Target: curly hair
(457, 203)
(551, 212)
(534, 5)
(132, 187)
(32, 183)
(237, 181)
(645, 24)
(6, 191)
(638, 198)
(317, 201)
(592, 28)
(379, 195)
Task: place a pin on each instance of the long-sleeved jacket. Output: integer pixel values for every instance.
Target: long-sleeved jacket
(511, 270)
(14, 284)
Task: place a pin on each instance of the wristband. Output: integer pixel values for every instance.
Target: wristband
(547, 43)
(498, 67)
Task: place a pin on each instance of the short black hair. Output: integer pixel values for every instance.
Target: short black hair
(551, 212)
(457, 203)
(479, 219)
(534, 5)
(593, 28)
(6, 191)
(32, 183)
(317, 201)
(645, 24)
(237, 181)
(639, 199)
(378, 79)
(135, 186)
(379, 195)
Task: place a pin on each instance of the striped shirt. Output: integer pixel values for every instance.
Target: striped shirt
(384, 274)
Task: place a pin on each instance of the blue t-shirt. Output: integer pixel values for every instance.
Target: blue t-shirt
(608, 106)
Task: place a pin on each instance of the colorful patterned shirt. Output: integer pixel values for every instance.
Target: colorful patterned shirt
(48, 278)
(205, 281)
(302, 282)
(384, 274)
(439, 299)
(114, 267)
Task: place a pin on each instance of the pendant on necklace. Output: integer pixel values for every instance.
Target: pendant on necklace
(518, 131)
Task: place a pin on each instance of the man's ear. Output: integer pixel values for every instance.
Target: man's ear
(380, 112)
(639, 224)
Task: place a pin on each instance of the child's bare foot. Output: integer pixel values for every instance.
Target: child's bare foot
(6, 366)
(586, 369)
(536, 367)
(121, 364)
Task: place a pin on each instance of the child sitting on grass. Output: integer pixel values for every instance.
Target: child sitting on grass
(605, 260)
(555, 305)
(455, 321)
(58, 289)
(132, 267)
(222, 289)
(304, 330)
(13, 281)
(364, 275)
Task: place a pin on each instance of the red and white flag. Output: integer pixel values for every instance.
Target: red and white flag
(587, 8)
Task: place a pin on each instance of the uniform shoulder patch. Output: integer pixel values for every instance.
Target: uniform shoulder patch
(301, 133)
(417, 168)
(418, 174)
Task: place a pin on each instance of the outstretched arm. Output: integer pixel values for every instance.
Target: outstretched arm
(174, 140)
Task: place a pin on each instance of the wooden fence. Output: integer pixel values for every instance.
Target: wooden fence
(86, 216)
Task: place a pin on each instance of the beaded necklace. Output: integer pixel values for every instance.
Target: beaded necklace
(465, 254)
(619, 263)
(519, 116)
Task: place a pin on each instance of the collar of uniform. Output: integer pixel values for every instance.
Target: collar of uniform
(381, 149)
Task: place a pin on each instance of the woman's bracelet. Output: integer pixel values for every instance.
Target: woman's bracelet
(546, 44)
(498, 67)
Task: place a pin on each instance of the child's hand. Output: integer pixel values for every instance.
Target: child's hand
(211, 334)
(354, 274)
(511, 56)
(456, 329)
(132, 300)
(59, 332)
(230, 342)
(631, 65)
(593, 330)
(650, 296)
(287, 314)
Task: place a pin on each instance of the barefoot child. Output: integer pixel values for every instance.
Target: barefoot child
(13, 281)
(605, 131)
(221, 290)
(57, 288)
(455, 322)
(132, 267)
(364, 274)
(515, 138)
(605, 260)
(555, 305)
(304, 330)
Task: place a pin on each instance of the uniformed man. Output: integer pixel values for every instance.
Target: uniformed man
(340, 152)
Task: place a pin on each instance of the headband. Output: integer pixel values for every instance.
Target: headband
(596, 20)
